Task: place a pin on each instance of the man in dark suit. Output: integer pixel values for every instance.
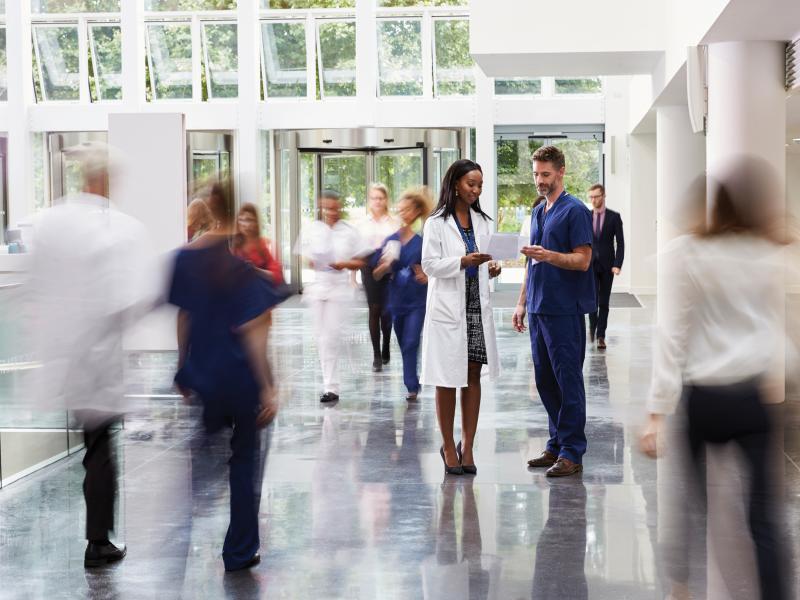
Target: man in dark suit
(606, 259)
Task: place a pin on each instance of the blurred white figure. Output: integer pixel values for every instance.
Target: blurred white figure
(87, 282)
(332, 247)
(719, 358)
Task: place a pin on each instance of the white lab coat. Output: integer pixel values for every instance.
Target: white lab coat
(89, 280)
(444, 335)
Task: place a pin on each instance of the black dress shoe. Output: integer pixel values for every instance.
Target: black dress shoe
(377, 365)
(545, 459)
(99, 554)
(457, 470)
(468, 469)
(385, 356)
(563, 468)
(329, 397)
(601, 343)
(249, 564)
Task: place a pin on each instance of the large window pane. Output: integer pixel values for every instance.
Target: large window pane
(189, 5)
(515, 189)
(287, 4)
(284, 48)
(399, 170)
(579, 86)
(73, 6)
(57, 56)
(400, 57)
(347, 174)
(106, 43)
(170, 48)
(222, 59)
(337, 58)
(518, 86)
(396, 3)
(453, 67)
(583, 158)
(3, 66)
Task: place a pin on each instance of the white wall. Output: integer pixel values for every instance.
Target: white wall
(793, 207)
(641, 258)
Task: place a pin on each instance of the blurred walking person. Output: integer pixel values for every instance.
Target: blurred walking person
(87, 283)
(198, 219)
(375, 228)
(251, 247)
(222, 327)
(400, 260)
(719, 358)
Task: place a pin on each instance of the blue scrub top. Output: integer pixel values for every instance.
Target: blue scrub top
(405, 293)
(551, 290)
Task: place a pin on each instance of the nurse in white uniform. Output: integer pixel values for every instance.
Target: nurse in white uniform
(458, 337)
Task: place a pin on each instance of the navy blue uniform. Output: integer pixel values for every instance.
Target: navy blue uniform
(557, 299)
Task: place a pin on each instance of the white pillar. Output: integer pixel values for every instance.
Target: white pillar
(133, 55)
(249, 157)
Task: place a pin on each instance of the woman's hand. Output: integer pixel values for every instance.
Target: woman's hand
(268, 408)
(649, 440)
(381, 270)
(419, 275)
(474, 259)
(494, 268)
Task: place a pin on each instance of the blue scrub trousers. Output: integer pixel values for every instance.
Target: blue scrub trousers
(408, 329)
(558, 346)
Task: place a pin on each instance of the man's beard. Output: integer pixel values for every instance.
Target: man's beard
(545, 190)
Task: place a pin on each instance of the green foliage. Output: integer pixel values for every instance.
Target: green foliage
(509, 87)
(337, 41)
(223, 58)
(347, 174)
(515, 189)
(189, 5)
(579, 86)
(108, 51)
(171, 50)
(453, 61)
(58, 48)
(403, 3)
(398, 172)
(400, 57)
(289, 4)
(285, 59)
(73, 6)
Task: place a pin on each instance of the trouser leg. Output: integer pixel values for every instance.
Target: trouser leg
(408, 328)
(100, 481)
(605, 279)
(546, 383)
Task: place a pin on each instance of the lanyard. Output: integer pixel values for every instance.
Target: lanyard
(470, 245)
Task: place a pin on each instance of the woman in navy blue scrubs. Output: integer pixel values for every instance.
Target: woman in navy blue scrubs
(222, 360)
(401, 255)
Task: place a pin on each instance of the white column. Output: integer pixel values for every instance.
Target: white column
(484, 141)
(247, 134)
(133, 55)
(20, 97)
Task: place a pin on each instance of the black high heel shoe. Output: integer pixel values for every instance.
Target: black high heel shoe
(457, 470)
(468, 469)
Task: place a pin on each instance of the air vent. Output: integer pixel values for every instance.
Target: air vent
(792, 67)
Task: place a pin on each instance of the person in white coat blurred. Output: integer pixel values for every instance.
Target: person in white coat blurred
(88, 280)
(458, 337)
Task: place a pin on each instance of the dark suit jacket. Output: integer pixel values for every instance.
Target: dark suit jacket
(604, 256)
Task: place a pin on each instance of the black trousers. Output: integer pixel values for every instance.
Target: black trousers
(598, 320)
(734, 413)
(100, 482)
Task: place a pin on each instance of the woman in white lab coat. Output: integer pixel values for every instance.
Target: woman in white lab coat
(458, 336)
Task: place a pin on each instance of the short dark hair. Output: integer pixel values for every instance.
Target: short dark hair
(448, 195)
(598, 186)
(550, 154)
(330, 195)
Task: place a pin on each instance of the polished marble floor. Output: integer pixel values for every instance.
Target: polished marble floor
(355, 505)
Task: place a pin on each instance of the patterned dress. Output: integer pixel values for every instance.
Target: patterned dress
(476, 345)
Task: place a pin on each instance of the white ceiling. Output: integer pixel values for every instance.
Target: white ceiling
(756, 20)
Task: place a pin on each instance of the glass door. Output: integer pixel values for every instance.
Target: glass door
(399, 170)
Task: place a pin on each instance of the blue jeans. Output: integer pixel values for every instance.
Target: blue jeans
(408, 329)
(558, 346)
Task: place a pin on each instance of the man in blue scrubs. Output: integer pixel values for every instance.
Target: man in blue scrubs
(557, 292)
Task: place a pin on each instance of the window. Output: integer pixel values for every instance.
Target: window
(579, 86)
(402, 3)
(56, 49)
(300, 4)
(221, 59)
(517, 86)
(189, 5)
(399, 57)
(106, 48)
(74, 6)
(336, 43)
(284, 63)
(3, 65)
(453, 65)
(170, 60)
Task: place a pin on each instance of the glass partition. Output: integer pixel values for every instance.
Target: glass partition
(57, 59)
(452, 65)
(221, 60)
(189, 5)
(284, 58)
(106, 47)
(399, 170)
(591, 85)
(301, 4)
(347, 174)
(409, 3)
(336, 48)
(74, 6)
(170, 57)
(3, 66)
(400, 57)
(517, 86)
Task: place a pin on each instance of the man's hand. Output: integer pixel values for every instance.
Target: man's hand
(649, 441)
(518, 319)
(537, 253)
(338, 266)
(269, 407)
(419, 275)
(494, 269)
(474, 259)
(616, 270)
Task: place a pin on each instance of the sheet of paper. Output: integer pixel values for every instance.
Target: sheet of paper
(502, 246)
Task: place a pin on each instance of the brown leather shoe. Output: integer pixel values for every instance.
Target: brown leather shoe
(564, 467)
(545, 459)
(601, 343)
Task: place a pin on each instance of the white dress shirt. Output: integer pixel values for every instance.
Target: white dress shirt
(374, 231)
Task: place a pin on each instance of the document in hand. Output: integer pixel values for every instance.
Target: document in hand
(502, 246)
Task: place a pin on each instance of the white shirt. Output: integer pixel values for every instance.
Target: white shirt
(374, 231)
(721, 316)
